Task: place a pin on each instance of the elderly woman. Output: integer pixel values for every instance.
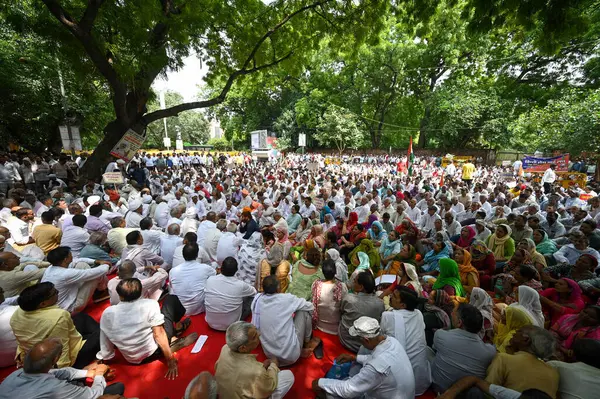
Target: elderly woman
(512, 320)
(483, 260)
(537, 258)
(466, 237)
(376, 233)
(304, 273)
(572, 327)
(276, 261)
(302, 231)
(348, 244)
(469, 276)
(430, 263)
(501, 244)
(327, 295)
(367, 247)
(96, 249)
(482, 301)
(341, 267)
(390, 247)
(543, 244)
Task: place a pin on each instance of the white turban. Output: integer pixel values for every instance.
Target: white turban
(190, 212)
(146, 199)
(134, 205)
(173, 203)
(92, 199)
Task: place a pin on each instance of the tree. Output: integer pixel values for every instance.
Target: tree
(339, 128)
(129, 43)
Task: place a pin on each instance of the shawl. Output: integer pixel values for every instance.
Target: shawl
(316, 234)
(442, 309)
(412, 254)
(379, 236)
(466, 268)
(368, 248)
(479, 251)
(449, 276)
(465, 243)
(324, 212)
(372, 219)
(565, 328)
(316, 297)
(411, 272)
(497, 244)
(301, 284)
(529, 301)
(516, 318)
(364, 261)
(352, 221)
(482, 301)
(329, 222)
(546, 246)
(401, 229)
(340, 266)
(389, 248)
(302, 234)
(432, 259)
(536, 257)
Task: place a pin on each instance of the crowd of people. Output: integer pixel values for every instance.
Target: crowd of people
(464, 279)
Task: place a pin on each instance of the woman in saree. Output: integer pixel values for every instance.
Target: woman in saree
(276, 261)
(466, 237)
(543, 244)
(327, 295)
(572, 327)
(529, 301)
(390, 247)
(367, 247)
(512, 320)
(329, 222)
(360, 262)
(564, 298)
(316, 234)
(340, 266)
(501, 244)
(437, 314)
(302, 231)
(409, 231)
(304, 273)
(483, 260)
(430, 263)
(537, 258)
(469, 276)
(348, 244)
(449, 279)
(407, 254)
(376, 233)
(296, 253)
(482, 301)
(506, 281)
(338, 228)
(350, 223)
(406, 276)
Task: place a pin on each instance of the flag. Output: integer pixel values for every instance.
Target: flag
(442, 180)
(410, 160)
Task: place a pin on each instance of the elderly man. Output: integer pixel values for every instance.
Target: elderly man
(460, 352)
(212, 237)
(139, 255)
(229, 244)
(227, 299)
(188, 280)
(46, 235)
(386, 371)
(75, 284)
(168, 243)
(239, 375)
(76, 236)
(117, 235)
(15, 277)
(151, 286)
(141, 330)
(39, 379)
(19, 229)
(203, 386)
(284, 322)
(151, 236)
(79, 334)
(205, 226)
(134, 214)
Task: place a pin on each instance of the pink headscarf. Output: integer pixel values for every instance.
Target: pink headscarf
(466, 243)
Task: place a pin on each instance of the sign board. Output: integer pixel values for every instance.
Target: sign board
(73, 143)
(258, 139)
(179, 145)
(167, 142)
(302, 140)
(112, 178)
(540, 164)
(507, 163)
(128, 146)
(456, 158)
(313, 166)
(271, 142)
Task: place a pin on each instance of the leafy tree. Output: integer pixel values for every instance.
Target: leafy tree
(129, 43)
(339, 129)
(220, 144)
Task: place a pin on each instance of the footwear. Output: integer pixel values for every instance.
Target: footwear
(100, 296)
(310, 346)
(185, 324)
(183, 342)
(318, 352)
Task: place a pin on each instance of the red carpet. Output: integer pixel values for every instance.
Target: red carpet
(148, 382)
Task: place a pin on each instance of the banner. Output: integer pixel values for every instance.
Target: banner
(112, 178)
(537, 164)
(128, 146)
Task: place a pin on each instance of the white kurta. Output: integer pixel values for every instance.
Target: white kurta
(408, 328)
(229, 245)
(273, 317)
(188, 282)
(68, 282)
(223, 299)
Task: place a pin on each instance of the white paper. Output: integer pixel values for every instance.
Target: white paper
(385, 279)
(199, 343)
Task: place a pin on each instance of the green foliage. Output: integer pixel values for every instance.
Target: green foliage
(220, 144)
(339, 128)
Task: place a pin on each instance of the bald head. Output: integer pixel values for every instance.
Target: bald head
(8, 261)
(42, 356)
(203, 386)
(173, 229)
(126, 270)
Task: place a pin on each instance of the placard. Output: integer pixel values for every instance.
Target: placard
(128, 146)
(72, 143)
(113, 178)
(540, 164)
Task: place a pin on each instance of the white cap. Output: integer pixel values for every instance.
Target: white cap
(146, 199)
(173, 203)
(365, 327)
(134, 205)
(92, 199)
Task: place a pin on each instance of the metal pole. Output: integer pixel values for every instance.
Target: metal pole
(65, 106)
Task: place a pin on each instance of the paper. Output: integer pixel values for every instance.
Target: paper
(385, 279)
(199, 343)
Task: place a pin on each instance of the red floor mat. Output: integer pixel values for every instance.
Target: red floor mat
(148, 382)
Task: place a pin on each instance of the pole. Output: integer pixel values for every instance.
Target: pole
(65, 106)
(163, 106)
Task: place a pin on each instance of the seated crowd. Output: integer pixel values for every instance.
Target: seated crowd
(476, 287)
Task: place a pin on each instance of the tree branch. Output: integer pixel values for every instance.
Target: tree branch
(175, 110)
(90, 14)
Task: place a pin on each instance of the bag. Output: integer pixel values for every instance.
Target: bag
(339, 371)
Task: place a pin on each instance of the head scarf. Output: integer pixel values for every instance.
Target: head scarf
(516, 318)
(482, 301)
(367, 247)
(412, 253)
(388, 247)
(464, 243)
(546, 246)
(449, 276)
(479, 251)
(575, 290)
(497, 244)
(352, 221)
(340, 266)
(465, 267)
(411, 272)
(529, 301)
(379, 236)
(364, 261)
(444, 302)
(372, 219)
(536, 257)
(329, 222)
(250, 254)
(432, 259)
(316, 233)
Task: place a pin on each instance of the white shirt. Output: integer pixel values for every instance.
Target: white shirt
(549, 176)
(151, 286)
(132, 220)
(413, 214)
(189, 225)
(453, 228)
(211, 242)
(75, 238)
(128, 326)
(161, 215)
(223, 298)
(19, 231)
(204, 227)
(273, 317)
(229, 245)
(386, 374)
(8, 342)
(68, 281)
(577, 380)
(168, 243)
(152, 240)
(408, 327)
(306, 212)
(188, 281)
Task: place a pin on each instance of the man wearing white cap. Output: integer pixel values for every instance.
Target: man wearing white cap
(386, 371)
(134, 214)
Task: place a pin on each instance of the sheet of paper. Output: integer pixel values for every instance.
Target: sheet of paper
(199, 343)
(385, 279)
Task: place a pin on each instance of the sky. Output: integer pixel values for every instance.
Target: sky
(186, 80)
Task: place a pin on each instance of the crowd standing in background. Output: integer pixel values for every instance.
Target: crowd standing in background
(456, 277)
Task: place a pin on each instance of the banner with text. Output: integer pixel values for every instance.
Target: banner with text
(537, 164)
(128, 146)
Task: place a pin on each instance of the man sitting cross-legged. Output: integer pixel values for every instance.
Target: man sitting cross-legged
(151, 286)
(141, 330)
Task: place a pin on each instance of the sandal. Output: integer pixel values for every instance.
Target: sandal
(318, 351)
(185, 324)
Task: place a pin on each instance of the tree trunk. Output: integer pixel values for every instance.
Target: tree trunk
(423, 127)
